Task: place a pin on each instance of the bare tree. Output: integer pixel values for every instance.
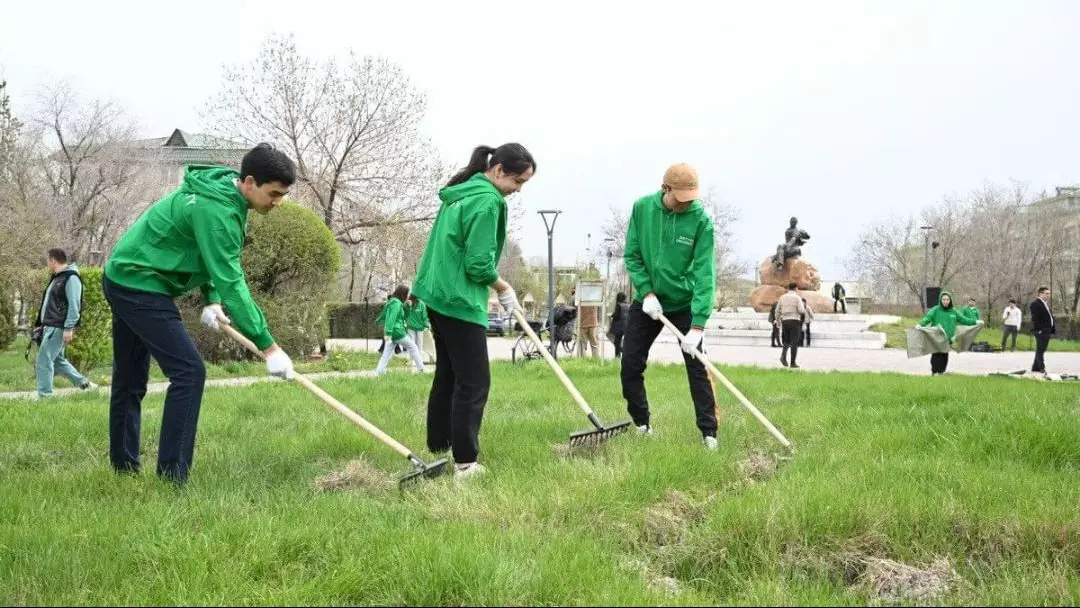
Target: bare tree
(93, 181)
(353, 132)
(889, 251)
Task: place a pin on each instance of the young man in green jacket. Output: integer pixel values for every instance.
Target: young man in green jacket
(189, 239)
(670, 257)
(459, 267)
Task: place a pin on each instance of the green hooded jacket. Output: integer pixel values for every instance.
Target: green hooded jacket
(392, 317)
(462, 254)
(672, 256)
(416, 316)
(191, 239)
(947, 318)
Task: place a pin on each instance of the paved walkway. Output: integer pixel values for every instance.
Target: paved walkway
(810, 359)
(821, 359)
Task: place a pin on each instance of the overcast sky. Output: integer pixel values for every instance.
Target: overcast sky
(836, 112)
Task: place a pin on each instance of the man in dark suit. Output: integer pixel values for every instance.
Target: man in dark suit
(1042, 324)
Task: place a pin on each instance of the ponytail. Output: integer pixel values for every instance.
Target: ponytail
(477, 162)
(514, 158)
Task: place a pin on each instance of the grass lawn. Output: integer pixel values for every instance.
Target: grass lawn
(954, 490)
(896, 338)
(16, 374)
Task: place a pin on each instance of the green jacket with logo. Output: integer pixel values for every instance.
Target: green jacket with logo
(191, 239)
(672, 255)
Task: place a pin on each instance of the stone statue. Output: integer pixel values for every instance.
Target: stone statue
(794, 239)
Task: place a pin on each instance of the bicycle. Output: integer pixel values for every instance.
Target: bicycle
(525, 350)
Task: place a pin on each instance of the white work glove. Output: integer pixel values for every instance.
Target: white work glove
(213, 314)
(651, 306)
(279, 364)
(691, 341)
(509, 301)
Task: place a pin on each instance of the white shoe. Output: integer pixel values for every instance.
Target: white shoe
(711, 443)
(90, 386)
(645, 429)
(470, 471)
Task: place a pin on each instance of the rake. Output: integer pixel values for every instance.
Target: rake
(587, 437)
(731, 387)
(421, 470)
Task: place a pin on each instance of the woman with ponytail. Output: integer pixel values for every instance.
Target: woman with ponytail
(459, 266)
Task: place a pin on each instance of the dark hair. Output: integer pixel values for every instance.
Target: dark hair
(1012, 300)
(56, 254)
(1042, 289)
(268, 164)
(514, 158)
(413, 298)
(793, 285)
(620, 297)
(401, 293)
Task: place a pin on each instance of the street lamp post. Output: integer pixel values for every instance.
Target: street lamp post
(607, 294)
(551, 276)
(926, 264)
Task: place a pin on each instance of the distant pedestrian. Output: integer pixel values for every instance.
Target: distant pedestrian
(1012, 317)
(1042, 324)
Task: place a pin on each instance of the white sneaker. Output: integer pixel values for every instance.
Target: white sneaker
(711, 443)
(470, 471)
(645, 429)
(89, 386)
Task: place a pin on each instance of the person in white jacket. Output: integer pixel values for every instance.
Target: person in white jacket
(1012, 316)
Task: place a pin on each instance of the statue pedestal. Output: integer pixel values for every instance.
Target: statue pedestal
(774, 284)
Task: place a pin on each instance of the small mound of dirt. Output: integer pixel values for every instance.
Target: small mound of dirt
(893, 583)
(666, 522)
(357, 475)
(758, 466)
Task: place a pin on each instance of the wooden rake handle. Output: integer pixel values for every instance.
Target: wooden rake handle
(731, 387)
(554, 364)
(334, 403)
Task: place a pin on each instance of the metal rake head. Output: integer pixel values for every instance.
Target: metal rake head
(423, 471)
(596, 437)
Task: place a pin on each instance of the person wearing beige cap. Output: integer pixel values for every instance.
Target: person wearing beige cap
(670, 258)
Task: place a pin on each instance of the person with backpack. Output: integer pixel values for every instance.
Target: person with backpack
(838, 294)
(458, 269)
(190, 239)
(57, 319)
(395, 334)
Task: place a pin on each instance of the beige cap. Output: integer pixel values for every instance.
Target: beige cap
(683, 181)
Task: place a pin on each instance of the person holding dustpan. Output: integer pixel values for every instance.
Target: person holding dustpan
(670, 257)
(458, 267)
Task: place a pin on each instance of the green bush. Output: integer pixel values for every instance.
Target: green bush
(92, 345)
(290, 262)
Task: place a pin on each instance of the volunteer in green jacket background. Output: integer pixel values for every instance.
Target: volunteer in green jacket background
(416, 321)
(189, 239)
(458, 267)
(393, 316)
(946, 316)
(670, 258)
